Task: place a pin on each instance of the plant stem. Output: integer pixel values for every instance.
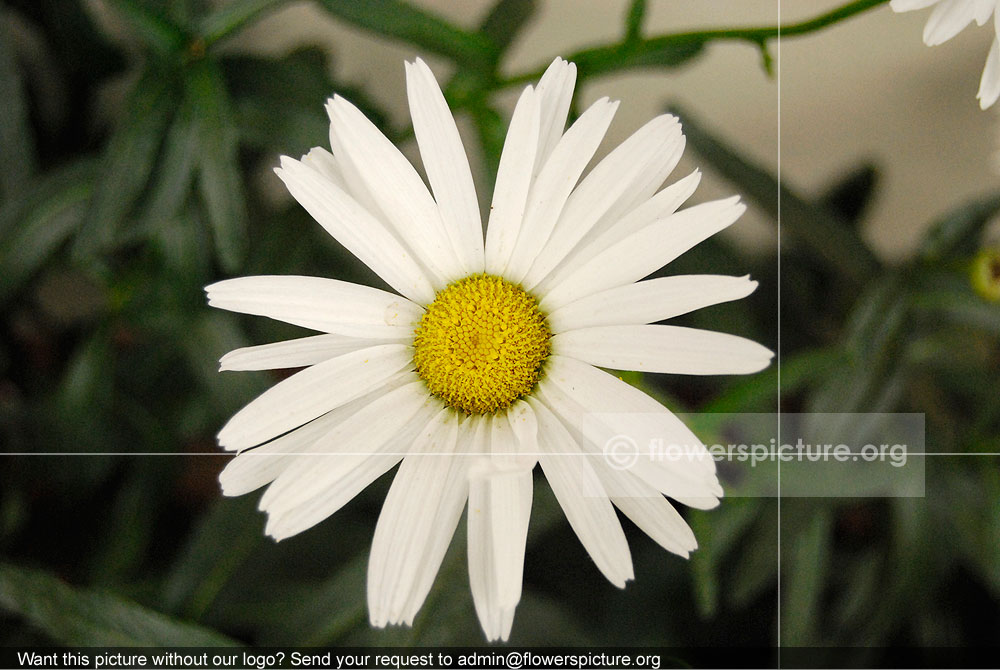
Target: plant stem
(596, 57)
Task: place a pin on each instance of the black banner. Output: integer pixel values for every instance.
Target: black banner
(487, 658)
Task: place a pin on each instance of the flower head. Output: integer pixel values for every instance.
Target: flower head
(484, 361)
(947, 19)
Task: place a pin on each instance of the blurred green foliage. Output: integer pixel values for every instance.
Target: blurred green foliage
(112, 222)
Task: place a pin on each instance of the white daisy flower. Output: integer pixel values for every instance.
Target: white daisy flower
(485, 360)
(948, 19)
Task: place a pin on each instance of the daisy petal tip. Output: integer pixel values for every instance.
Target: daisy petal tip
(707, 503)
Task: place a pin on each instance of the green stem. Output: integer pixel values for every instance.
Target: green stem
(596, 59)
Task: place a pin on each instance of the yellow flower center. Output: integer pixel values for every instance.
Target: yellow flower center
(481, 343)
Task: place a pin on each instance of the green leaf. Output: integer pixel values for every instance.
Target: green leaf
(828, 238)
(35, 225)
(328, 611)
(128, 162)
(277, 104)
(718, 533)
(232, 16)
(132, 523)
(671, 51)
(803, 589)
(506, 20)
(491, 130)
(760, 393)
(756, 567)
(633, 20)
(153, 28)
(76, 616)
(204, 340)
(956, 234)
(176, 170)
(850, 195)
(17, 151)
(219, 181)
(959, 306)
(405, 22)
(217, 546)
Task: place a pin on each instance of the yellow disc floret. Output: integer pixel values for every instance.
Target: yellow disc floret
(481, 344)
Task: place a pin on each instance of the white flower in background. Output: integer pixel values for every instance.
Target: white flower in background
(483, 363)
(947, 19)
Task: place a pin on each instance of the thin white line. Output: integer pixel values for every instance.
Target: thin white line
(433, 453)
(777, 64)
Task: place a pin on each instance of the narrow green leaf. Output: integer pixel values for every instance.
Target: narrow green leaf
(760, 394)
(217, 546)
(232, 16)
(219, 177)
(131, 525)
(405, 22)
(633, 20)
(34, 226)
(828, 238)
(330, 610)
(154, 28)
(176, 170)
(78, 616)
(128, 162)
(803, 589)
(850, 195)
(204, 340)
(17, 151)
(718, 533)
(657, 53)
(959, 306)
(491, 131)
(957, 233)
(756, 567)
(506, 20)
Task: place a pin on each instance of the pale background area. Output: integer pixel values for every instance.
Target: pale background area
(866, 89)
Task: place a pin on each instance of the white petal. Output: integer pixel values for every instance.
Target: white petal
(416, 524)
(645, 251)
(510, 196)
(346, 459)
(446, 164)
(294, 353)
(556, 91)
(524, 425)
(253, 468)
(323, 161)
(601, 412)
(317, 303)
(642, 189)
(650, 301)
(947, 19)
(555, 182)
(983, 10)
(649, 510)
(612, 180)
(910, 5)
(668, 349)
(660, 206)
(395, 187)
(499, 510)
(354, 227)
(581, 495)
(313, 392)
(989, 85)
